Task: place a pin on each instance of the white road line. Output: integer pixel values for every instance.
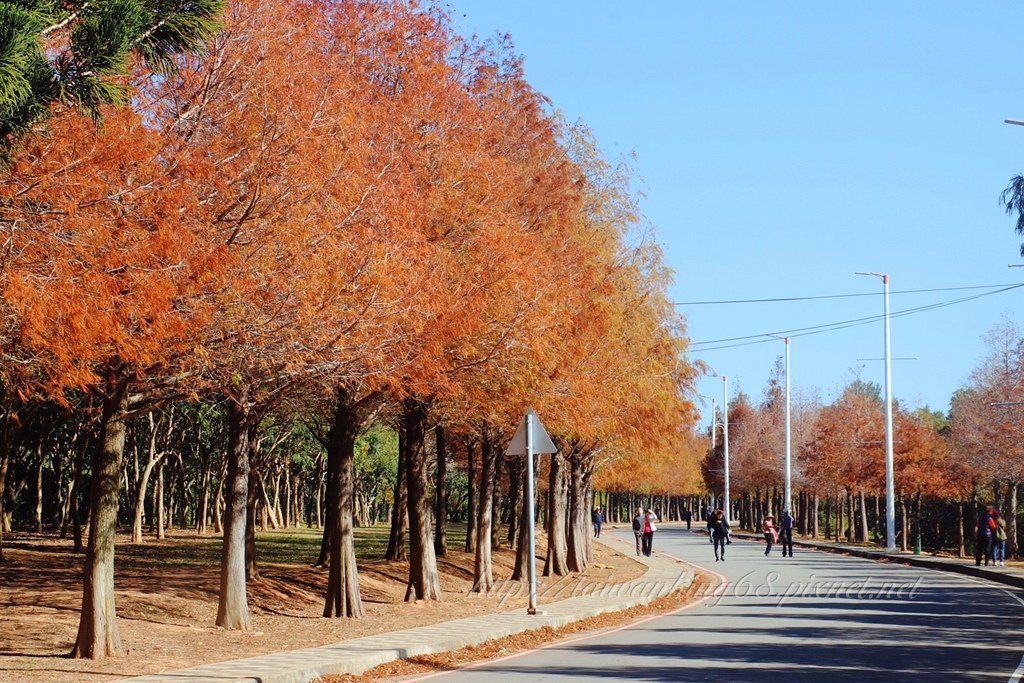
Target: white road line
(1015, 678)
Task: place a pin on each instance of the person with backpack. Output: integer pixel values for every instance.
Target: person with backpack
(638, 529)
(999, 539)
(983, 532)
(786, 533)
(718, 527)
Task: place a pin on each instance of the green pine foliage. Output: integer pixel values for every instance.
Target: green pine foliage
(76, 52)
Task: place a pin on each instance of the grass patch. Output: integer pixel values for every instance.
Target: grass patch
(283, 546)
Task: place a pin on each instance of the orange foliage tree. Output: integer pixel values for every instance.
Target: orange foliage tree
(105, 277)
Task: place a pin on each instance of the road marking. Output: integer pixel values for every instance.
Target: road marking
(1015, 678)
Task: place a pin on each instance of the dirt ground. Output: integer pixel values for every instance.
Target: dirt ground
(167, 605)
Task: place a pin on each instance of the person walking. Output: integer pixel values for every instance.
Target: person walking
(649, 528)
(983, 529)
(688, 518)
(786, 532)
(771, 534)
(638, 530)
(718, 529)
(598, 518)
(999, 540)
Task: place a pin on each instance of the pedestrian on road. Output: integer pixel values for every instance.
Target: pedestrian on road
(999, 539)
(786, 532)
(638, 529)
(598, 518)
(719, 530)
(771, 534)
(983, 529)
(649, 528)
(688, 518)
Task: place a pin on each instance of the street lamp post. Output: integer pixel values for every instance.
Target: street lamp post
(725, 442)
(714, 428)
(788, 489)
(890, 489)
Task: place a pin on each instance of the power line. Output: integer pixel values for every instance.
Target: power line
(829, 327)
(837, 296)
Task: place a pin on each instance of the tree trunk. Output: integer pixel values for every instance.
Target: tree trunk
(271, 515)
(140, 492)
(343, 597)
(203, 514)
(863, 518)
(521, 570)
(815, 530)
(905, 526)
(218, 500)
(961, 536)
(233, 606)
(424, 581)
(161, 518)
(399, 511)
(98, 634)
(579, 537)
(557, 555)
(471, 516)
(483, 573)
(41, 456)
(5, 459)
(140, 500)
(289, 518)
(515, 467)
(74, 512)
(319, 502)
(441, 494)
(252, 572)
(499, 460)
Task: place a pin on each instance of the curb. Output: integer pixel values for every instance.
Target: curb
(358, 655)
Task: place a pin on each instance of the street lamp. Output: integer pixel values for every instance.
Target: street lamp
(725, 443)
(788, 499)
(714, 428)
(890, 490)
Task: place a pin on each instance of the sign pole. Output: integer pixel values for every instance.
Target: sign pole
(531, 438)
(532, 609)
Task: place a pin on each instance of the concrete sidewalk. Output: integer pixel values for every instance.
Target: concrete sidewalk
(355, 656)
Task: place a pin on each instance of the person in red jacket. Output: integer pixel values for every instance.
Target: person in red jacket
(649, 528)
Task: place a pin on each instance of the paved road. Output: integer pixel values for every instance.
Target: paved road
(814, 617)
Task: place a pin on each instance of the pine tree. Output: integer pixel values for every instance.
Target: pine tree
(73, 52)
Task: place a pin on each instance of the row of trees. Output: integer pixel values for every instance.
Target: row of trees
(945, 465)
(333, 215)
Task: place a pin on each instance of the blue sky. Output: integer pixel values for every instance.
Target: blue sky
(783, 146)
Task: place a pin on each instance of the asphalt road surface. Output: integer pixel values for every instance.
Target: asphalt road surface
(813, 617)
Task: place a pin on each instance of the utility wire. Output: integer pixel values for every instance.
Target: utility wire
(829, 327)
(836, 296)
